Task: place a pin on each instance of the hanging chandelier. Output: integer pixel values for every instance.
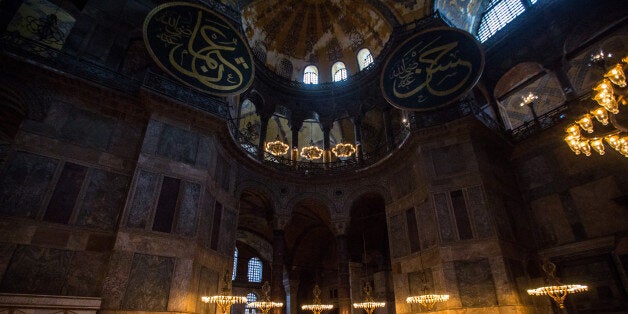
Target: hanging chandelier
(266, 305)
(316, 307)
(277, 147)
(368, 305)
(343, 150)
(225, 300)
(609, 93)
(428, 301)
(311, 152)
(558, 292)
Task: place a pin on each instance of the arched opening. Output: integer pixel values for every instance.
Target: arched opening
(310, 75)
(365, 58)
(367, 238)
(339, 71)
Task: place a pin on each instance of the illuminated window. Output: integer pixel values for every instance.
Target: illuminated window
(499, 13)
(339, 71)
(310, 75)
(365, 58)
(251, 297)
(255, 270)
(235, 264)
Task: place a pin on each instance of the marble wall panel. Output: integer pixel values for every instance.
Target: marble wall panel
(205, 152)
(188, 208)
(24, 183)
(6, 252)
(405, 182)
(477, 208)
(428, 228)
(222, 172)
(598, 211)
(116, 280)
(535, 172)
(449, 160)
(206, 213)
(36, 270)
(207, 285)
(103, 200)
(126, 140)
(143, 199)
(441, 205)
(398, 236)
(553, 226)
(475, 283)
(66, 192)
(149, 282)
(178, 144)
(180, 293)
(228, 226)
(417, 280)
(87, 129)
(87, 271)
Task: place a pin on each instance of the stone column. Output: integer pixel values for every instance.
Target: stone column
(390, 139)
(295, 126)
(263, 127)
(278, 293)
(357, 130)
(292, 289)
(344, 281)
(326, 144)
(563, 80)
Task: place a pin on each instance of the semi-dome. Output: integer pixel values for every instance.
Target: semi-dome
(290, 35)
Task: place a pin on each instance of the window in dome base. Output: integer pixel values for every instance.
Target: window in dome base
(365, 58)
(499, 13)
(310, 75)
(339, 71)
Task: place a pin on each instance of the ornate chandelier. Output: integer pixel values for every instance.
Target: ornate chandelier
(224, 300)
(368, 305)
(277, 147)
(557, 292)
(428, 301)
(311, 152)
(317, 307)
(343, 150)
(610, 92)
(266, 305)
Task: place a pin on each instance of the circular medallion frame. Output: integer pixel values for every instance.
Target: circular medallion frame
(407, 74)
(199, 47)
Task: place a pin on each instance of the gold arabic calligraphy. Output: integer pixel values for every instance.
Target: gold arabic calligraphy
(422, 66)
(208, 64)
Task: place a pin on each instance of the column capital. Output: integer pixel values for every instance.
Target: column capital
(340, 227)
(280, 222)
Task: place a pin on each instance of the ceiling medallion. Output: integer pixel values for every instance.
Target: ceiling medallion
(343, 150)
(610, 92)
(198, 47)
(277, 147)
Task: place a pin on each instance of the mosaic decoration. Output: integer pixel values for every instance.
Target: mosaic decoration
(432, 69)
(199, 48)
(43, 22)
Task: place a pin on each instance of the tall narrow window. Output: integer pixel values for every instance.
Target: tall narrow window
(339, 71)
(250, 297)
(365, 58)
(310, 75)
(235, 264)
(499, 13)
(255, 270)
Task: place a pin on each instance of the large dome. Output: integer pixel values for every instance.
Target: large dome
(318, 32)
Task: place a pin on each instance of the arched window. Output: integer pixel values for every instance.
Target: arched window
(250, 297)
(255, 270)
(339, 71)
(310, 75)
(365, 58)
(235, 264)
(498, 14)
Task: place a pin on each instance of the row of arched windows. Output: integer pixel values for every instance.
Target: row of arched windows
(338, 70)
(254, 268)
